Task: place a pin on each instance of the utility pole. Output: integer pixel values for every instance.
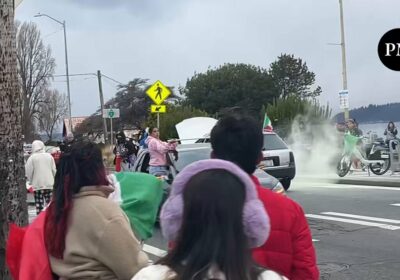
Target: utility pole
(67, 73)
(63, 24)
(102, 106)
(342, 44)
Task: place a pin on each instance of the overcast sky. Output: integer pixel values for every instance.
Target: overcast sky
(171, 39)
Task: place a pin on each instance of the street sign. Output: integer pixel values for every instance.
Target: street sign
(158, 92)
(111, 113)
(158, 108)
(344, 99)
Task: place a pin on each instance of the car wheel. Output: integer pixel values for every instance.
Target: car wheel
(286, 183)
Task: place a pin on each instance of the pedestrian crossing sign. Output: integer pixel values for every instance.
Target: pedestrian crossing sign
(158, 108)
(158, 92)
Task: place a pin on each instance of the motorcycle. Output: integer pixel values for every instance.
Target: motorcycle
(375, 155)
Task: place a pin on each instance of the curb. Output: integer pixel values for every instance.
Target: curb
(391, 182)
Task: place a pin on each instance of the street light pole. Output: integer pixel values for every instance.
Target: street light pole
(66, 65)
(67, 73)
(342, 44)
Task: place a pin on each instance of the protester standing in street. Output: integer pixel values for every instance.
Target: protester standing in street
(289, 249)
(88, 236)
(126, 149)
(158, 153)
(214, 217)
(40, 170)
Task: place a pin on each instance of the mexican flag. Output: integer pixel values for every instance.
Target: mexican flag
(267, 126)
(139, 195)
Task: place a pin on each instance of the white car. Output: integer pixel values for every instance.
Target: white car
(278, 159)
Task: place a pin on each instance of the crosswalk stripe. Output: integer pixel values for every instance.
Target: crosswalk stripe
(395, 204)
(323, 186)
(367, 218)
(351, 221)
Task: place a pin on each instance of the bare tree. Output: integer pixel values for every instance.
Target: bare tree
(52, 111)
(35, 68)
(13, 207)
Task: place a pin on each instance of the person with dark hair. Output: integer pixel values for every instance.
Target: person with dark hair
(40, 169)
(289, 249)
(390, 132)
(66, 145)
(158, 165)
(88, 236)
(214, 217)
(352, 128)
(143, 137)
(126, 149)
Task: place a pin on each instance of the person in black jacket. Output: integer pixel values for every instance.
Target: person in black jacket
(126, 149)
(390, 132)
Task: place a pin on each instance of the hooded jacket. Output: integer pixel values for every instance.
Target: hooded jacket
(99, 243)
(40, 168)
(289, 249)
(158, 150)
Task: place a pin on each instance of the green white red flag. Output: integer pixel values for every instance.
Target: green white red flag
(267, 126)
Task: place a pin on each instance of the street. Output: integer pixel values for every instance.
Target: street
(356, 229)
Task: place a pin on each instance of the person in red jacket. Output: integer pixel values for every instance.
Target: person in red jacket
(289, 249)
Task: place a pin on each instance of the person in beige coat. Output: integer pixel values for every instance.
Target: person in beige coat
(40, 169)
(88, 236)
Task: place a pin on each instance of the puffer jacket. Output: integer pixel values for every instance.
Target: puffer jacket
(289, 249)
(40, 168)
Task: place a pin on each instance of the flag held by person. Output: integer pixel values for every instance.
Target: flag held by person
(267, 126)
(139, 195)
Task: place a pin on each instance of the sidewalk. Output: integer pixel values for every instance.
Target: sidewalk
(357, 178)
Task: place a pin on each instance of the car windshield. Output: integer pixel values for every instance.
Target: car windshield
(273, 142)
(187, 156)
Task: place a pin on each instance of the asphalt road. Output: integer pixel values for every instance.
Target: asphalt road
(356, 230)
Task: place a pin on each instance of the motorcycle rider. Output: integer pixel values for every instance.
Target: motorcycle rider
(390, 132)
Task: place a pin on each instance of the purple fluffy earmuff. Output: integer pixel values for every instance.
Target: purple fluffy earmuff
(255, 218)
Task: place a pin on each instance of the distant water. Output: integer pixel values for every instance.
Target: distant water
(379, 128)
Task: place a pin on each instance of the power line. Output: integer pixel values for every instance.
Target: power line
(89, 74)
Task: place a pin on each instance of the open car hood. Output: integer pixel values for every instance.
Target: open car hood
(195, 128)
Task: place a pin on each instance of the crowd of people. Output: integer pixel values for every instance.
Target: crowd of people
(218, 219)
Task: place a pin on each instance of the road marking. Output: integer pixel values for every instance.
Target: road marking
(395, 204)
(367, 218)
(315, 240)
(154, 251)
(351, 221)
(333, 186)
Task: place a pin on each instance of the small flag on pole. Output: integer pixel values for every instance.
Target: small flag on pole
(267, 126)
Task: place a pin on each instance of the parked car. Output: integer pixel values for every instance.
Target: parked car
(189, 153)
(278, 159)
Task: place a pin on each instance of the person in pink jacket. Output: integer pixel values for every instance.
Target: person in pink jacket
(158, 152)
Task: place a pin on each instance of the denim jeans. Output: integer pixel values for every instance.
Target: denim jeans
(158, 170)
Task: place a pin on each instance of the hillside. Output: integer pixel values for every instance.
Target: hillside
(374, 113)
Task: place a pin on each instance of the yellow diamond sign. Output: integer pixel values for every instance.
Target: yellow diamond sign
(158, 92)
(158, 108)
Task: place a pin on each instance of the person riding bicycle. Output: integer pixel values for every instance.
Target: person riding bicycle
(351, 127)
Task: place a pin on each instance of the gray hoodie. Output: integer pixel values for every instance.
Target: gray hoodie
(40, 168)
